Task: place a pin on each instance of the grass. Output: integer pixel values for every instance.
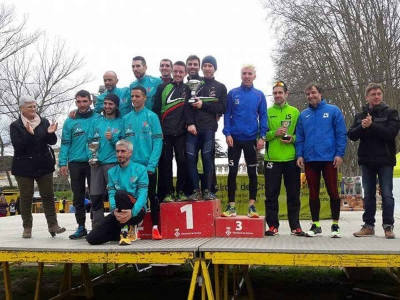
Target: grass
(268, 283)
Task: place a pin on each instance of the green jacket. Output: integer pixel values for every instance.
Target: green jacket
(275, 150)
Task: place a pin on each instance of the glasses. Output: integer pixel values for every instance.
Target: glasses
(31, 106)
(279, 83)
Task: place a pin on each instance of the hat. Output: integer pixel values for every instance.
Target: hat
(112, 97)
(211, 60)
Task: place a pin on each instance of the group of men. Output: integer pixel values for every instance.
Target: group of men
(315, 141)
(133, 132)
(138, 128)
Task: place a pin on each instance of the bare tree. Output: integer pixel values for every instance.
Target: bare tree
(49, 74)
(344, 44)
(13, 37)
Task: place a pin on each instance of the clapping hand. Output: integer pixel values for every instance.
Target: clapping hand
(367, 121)
(52, 128)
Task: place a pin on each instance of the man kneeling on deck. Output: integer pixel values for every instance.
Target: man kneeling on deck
(127, 192)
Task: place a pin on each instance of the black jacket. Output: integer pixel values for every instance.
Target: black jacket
(33, 157)
(213, 95)
(377, 142)
(168, 105)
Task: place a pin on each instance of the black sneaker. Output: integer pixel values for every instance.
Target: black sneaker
(272, 231)
(335, 231)
(79, 233)
(207, 195)
(297, 232)
(314, 231)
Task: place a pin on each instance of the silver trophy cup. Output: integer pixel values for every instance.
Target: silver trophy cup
(285, 124)
(194, 85)
(94, 147)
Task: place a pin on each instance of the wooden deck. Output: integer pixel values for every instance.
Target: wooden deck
(281, 250)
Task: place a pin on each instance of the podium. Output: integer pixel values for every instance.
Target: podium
(189, 219)
(240, 227)
(146, 227)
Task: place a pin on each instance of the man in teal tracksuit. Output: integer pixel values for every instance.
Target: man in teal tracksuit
(124, 94)
(105, 130)
(142, 127)
(280, 161)
(127, 189)
(149, 83)
(74, 158)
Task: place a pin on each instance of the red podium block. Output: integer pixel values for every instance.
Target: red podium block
(240, 227)
(189, 219)
(146, 227)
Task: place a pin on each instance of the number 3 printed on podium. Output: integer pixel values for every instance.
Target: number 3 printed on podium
(239, 225)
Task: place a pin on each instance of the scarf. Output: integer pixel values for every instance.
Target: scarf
(34, 123)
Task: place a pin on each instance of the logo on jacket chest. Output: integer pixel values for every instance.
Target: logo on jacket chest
(146, 128)
(212, 92)
(96, 133)
(325, 115)
(129, 131)
(77, 130)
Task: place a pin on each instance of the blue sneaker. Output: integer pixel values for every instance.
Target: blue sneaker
(79, 233)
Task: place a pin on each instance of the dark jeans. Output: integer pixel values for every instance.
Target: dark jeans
(45, 184)
(173, 144)
(313, 172)
(273, 172)
(80, 175)
(250, 156)
(204, 140)
(109, 228)
(369, 180)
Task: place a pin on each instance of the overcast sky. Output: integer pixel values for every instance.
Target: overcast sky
(109, 33)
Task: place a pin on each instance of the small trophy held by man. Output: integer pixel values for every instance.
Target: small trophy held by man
(286, 125)
(194, 85)
(94, 147)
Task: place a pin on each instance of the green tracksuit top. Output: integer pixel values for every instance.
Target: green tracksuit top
(275, 150)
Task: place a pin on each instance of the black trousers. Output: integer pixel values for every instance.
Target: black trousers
(250, 156)
(109, 228)
(154, 201)
(273, 172)
(80, 175)
(173, 144)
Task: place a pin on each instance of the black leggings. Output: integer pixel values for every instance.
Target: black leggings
(109, 228)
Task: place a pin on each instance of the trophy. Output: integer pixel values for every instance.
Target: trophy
(193, 86)
(93, 147)
(286, 125)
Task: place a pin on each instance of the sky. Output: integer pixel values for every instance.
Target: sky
(110, 33)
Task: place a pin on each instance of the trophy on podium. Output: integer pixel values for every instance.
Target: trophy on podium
(94, 147)
(285, 124)
(193, 84)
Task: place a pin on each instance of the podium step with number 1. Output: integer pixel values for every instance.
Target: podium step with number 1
(189, 219)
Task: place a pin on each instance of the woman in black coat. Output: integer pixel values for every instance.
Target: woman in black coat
(34, 160)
